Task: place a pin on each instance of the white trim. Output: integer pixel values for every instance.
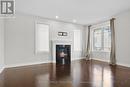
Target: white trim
(125, 65)
(120, 64)
(2, 69)
(100, 60)
(35, 63)
(60, 42)
(18, 65)
(26, 64)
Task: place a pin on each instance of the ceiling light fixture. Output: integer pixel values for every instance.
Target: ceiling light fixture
(57, 17)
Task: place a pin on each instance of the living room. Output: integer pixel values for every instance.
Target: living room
(65, 44)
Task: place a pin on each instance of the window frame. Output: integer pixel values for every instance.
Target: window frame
(35, 35)
(102, 38)
(94, 48)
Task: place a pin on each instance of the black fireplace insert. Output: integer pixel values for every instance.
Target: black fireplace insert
(63, 54)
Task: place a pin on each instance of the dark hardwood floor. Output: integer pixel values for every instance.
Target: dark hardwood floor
(78, 74)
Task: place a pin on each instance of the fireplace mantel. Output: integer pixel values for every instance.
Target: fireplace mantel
(60, 42)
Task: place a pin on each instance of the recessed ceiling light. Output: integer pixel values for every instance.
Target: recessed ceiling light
(74, 21)
(57, 17)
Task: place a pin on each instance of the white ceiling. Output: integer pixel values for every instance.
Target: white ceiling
(84, 11)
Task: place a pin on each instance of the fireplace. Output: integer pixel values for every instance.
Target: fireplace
(63, 54)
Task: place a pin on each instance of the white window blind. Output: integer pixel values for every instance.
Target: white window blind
(77, 40)
(42, 37)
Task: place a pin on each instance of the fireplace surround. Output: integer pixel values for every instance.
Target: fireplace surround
(62, 51)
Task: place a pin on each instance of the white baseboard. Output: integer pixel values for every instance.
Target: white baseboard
(26, 64)
(100, 60)
(2, 69)
(121, 64)
(125, 65)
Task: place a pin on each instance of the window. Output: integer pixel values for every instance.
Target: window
(97, 39)
(42, 37)
(77, 40)
(102, 39)
(107, 39)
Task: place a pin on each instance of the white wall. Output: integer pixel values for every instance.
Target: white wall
(20, 39)
(1, 44)
(122, 26)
